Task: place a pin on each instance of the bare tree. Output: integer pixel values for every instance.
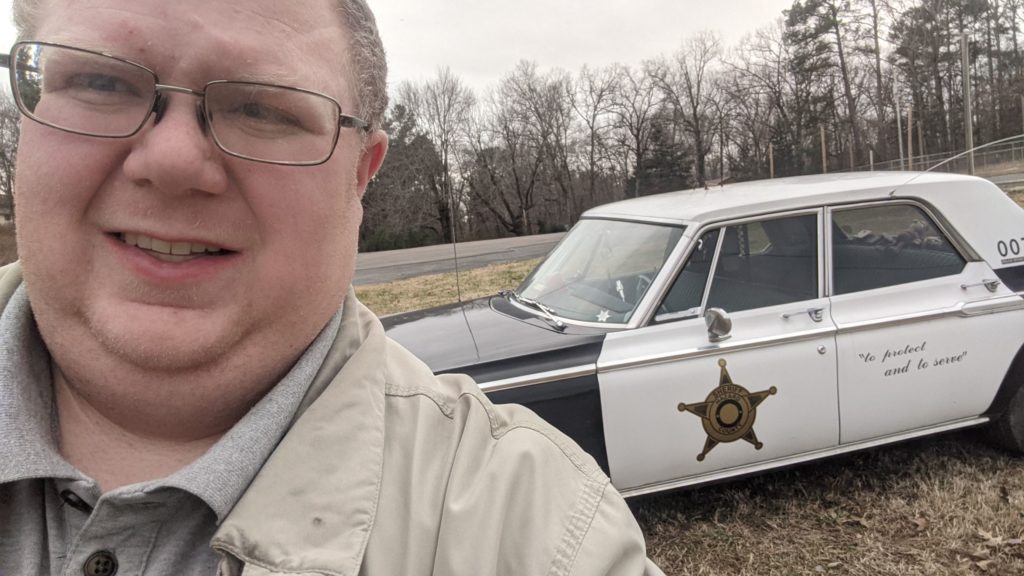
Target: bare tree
(686, 80)
(748, 112)
(874, 17)
(544, 100)
(10, 129)
(634, 105)
(442, 106)
(593, 100)
(826, 22)
(399, 207)
(508, 156)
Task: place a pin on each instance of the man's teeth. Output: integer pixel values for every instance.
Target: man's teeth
(164, 247)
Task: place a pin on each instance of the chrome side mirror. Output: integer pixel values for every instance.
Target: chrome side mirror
(719, 324)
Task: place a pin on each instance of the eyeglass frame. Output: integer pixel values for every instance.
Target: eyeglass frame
(160, 104)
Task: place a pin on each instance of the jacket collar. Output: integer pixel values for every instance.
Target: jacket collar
(312, 506)
(10, 279)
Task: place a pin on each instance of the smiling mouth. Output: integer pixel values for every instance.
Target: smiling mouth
(170, 251)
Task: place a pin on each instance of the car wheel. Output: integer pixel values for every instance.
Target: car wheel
(1008, 430)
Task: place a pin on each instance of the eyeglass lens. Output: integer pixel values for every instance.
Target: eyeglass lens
(82, 92)
(97, 95)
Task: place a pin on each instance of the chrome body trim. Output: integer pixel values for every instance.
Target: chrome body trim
(962, 309)
(803, 458)
(539, 378)
(993, 305)
(966, 310)
(715, 349)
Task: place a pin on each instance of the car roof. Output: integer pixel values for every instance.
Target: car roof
(764, 196)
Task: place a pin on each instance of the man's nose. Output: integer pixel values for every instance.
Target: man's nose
(174, 152)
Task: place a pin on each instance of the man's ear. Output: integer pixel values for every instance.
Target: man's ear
(374, 150)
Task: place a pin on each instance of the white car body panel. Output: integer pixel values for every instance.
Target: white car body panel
(950, 340)
(913, 373)
(650, 441)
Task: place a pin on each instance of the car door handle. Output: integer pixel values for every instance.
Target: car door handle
(991, 284)
(816, 314)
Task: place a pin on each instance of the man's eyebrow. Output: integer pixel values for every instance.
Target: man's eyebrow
(279, 77)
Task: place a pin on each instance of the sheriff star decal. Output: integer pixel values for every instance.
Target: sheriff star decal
(728, 413)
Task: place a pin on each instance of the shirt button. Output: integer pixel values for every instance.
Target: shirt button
(101, 563)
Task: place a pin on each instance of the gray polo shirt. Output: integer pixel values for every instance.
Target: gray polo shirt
(54, 519)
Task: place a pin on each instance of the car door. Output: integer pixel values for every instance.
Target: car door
(678, 406)
(917, 344)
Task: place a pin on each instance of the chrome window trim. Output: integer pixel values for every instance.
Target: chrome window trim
(709, 349)
(539, 378)
(802, 458)
(720, 241)
(659, 290)
(647, 317)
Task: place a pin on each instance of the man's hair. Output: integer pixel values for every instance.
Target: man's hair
(369, 69)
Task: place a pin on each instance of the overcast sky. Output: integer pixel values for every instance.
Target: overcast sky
(481, 40)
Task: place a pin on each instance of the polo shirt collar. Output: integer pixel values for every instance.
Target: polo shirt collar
(29, 446)
(218, 477)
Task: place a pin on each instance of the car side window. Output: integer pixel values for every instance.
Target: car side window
(766, 263)
(882, 246)
(687, 291)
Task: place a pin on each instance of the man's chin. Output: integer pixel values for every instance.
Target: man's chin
(169, 354)
(180, 345)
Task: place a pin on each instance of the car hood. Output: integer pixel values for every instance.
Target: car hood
(490, 338)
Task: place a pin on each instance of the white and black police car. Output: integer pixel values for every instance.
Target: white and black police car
(694, 336)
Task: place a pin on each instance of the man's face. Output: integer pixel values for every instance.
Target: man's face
(289, 232)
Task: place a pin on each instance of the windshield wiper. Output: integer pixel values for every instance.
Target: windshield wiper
(548, 313)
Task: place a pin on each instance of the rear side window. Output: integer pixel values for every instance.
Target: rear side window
(883, 246)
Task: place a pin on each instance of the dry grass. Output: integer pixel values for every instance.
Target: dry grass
(945, 505)
(438, 289)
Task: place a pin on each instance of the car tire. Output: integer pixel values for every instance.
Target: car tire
(1008, 430)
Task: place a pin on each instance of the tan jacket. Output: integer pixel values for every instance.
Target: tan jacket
(389, 470)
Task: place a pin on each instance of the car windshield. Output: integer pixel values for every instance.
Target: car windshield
(601, 270)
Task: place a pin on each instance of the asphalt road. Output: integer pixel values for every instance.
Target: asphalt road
(378, 267)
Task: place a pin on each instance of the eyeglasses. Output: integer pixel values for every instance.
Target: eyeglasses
(94, 94)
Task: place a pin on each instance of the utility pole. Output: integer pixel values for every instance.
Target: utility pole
(771, 160)
(899, 123)
(968, 113)
(920, 140)
(824, 156)
(910, 137)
